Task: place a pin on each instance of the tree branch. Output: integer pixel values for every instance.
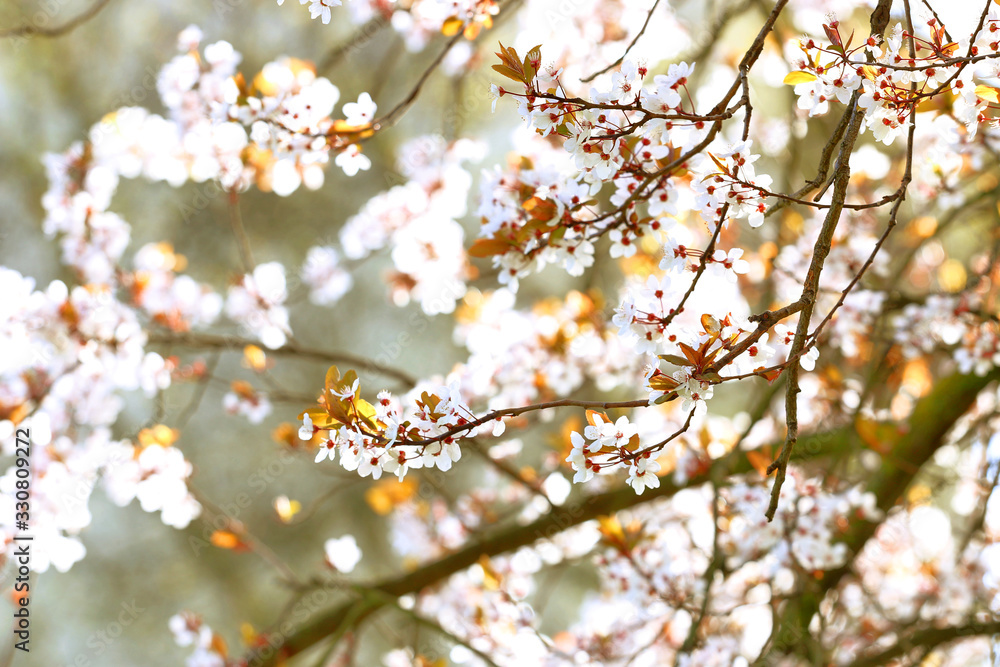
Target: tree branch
(928, 638)
(236, 343)
(28, 30)
(514, 537)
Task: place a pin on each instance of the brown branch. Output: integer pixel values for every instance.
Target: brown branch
(928, 638)
(808, 298)
(824, 166)
(236, 343)
(240, 233)
(514, 412)
(649, 15)
(29, 30)
(363, 34)
(391, 118)
(749, 58)
(841, 180)
(511, 538)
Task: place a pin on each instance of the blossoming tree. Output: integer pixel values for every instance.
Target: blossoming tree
(763, 413)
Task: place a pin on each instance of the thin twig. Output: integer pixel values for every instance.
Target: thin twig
(199, 393)
(649, 15)
(808, 298)
(242, 242)
(236, 344)
(363, 34)
(29, 30)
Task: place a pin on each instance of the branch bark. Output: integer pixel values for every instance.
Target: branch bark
(928, 639)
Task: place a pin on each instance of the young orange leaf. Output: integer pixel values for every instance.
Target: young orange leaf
(593, 413)
(491, 578)
(760, 459)
(674, 359)
(254, 358)
(710, 325)
(718, 163)
(988, 93)
(795, 78)
(488, 248)
(451, 26)
(219, 645)
(540, 209)
(225, 539)
(770, 376)
(691, 354)
(388, 493)
(509, 73)
(321, 418)
(332, 378)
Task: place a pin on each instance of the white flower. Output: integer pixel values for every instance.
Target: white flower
(624, 316)
(578, 459)
(326, 279)
(732, 263)
(626, 83)
(321, 8)
(808, 360)
(185, 627)
(257, 304)
(674, 257)
(250, 404)
(695, 394)
(347, 392)
(306, 430)
(621, 244)
(607, 434)
(352, 160)
(642, 475)
(342, 553)
(361, 112)
(326, 451)
(759, 352)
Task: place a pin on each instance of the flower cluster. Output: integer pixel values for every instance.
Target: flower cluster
(895, 75)
(371, 439)
(735, 191)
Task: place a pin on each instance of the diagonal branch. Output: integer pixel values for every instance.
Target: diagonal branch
(323, 624)
(29, 30)
(928, 639)
(628, 48)
(236, 343)
(810, 289)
